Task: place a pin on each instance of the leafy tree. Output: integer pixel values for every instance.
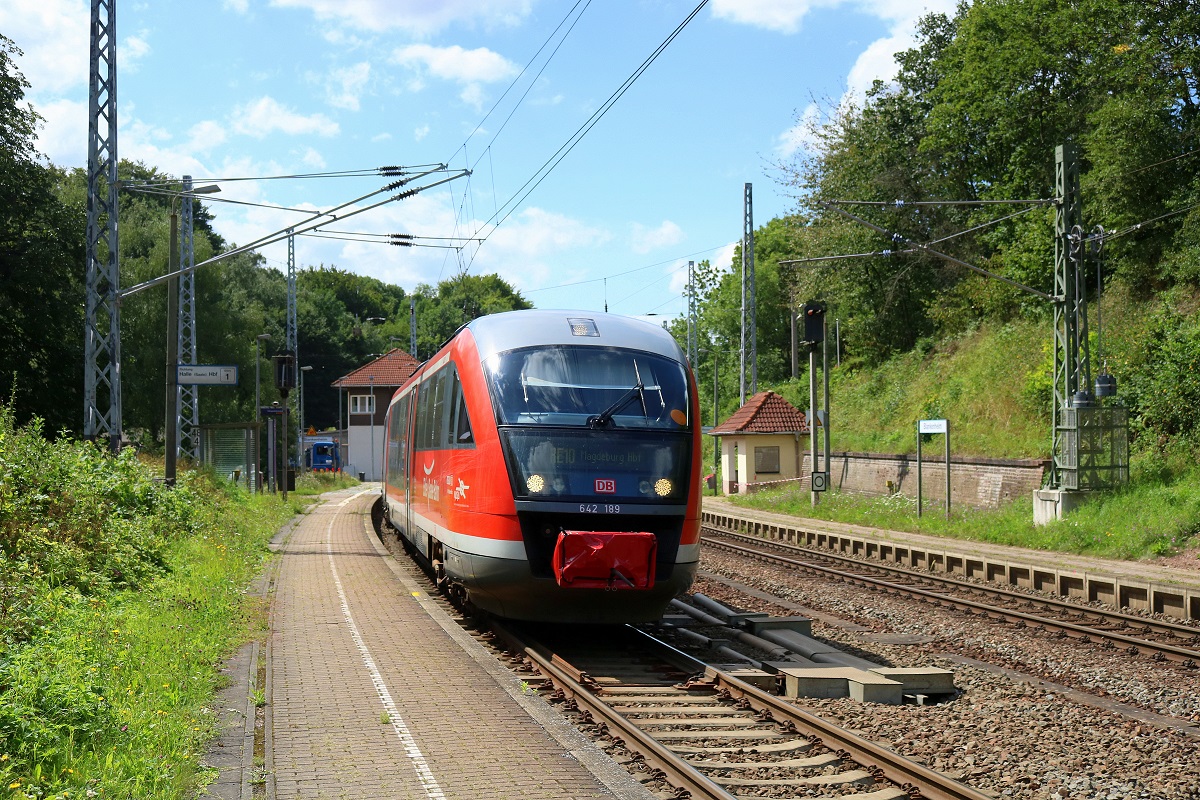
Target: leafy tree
(458, 300)
(41, 269)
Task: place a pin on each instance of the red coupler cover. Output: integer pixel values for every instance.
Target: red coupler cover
(605, 559)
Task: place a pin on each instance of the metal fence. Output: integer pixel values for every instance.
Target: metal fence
(231, 450)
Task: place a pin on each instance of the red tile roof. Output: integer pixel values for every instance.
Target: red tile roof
(766, 412)
(391, 369)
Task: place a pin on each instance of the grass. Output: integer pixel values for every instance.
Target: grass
(116, 615)
(993, 385)
(113, 699)
(311, 484)
(1151, 517)
(993, 408)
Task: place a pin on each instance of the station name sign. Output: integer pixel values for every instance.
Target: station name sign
(207, 374)
(933, 426)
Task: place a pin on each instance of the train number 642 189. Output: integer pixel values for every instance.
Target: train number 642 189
(599, 508)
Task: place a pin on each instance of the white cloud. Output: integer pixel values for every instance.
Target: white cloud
(473, 96)
(420, 17)
(266, 115)
(665, 235)
(722, 261)
(783, 16)
(346, 85)
(536, 248)
(236, 6)
(420, 133)
(876, 62)
(480, 65)
(786, 16)
(63, 136)
(800, 136)
(205, 135)
(131, 51)
(54, 36)
(153, 145)
(537, 233)
(312, 158)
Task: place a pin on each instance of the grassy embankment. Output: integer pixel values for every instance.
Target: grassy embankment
(993, 385)
(119, 601)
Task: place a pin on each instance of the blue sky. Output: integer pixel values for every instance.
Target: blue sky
(223, 89)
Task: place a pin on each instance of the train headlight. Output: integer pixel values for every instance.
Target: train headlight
(536, 483)
(663, 487)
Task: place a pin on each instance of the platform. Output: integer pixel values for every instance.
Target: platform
(1137, 585)
(374, 691)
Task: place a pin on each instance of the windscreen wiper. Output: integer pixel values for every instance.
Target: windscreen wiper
(605, 417)
(637, 390)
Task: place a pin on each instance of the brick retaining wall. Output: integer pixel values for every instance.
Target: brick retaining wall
(975, 482)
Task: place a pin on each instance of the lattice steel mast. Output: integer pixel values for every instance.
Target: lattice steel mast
(102, 316)
(187, 395)
(290, 336)
(749, 301)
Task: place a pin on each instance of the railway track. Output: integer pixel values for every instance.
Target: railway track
(707, 733)
(1109, 629)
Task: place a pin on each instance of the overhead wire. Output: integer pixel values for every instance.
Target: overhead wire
(314, 221)
(527, 188)
(468, 195)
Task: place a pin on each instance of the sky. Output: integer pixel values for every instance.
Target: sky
(242, 93)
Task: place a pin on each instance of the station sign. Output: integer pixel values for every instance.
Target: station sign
(207, 374)
(933, 426)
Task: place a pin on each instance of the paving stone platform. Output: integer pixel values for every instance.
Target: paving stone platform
(374, 692)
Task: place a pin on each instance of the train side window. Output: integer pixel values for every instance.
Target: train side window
(424, 432)
(441, 410)
(463, 435)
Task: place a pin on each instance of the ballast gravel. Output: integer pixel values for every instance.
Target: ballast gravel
(1006, 735)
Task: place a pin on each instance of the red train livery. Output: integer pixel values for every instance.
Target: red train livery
(546, 466)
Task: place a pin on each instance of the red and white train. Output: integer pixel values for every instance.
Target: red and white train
(546, 466)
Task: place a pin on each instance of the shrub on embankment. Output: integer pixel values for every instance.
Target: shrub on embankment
(119, 600)
(994, 384)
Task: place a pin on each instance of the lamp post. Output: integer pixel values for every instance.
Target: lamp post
(300, 421)
(258, 340)
(371, 406)
(716, 408)
(285, 381)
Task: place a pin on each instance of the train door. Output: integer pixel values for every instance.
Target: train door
(398, 446)
(406, 422)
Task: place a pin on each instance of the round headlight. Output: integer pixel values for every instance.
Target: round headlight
(536, 483)
(663, 487)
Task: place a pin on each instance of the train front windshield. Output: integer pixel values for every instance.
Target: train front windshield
(593, 424)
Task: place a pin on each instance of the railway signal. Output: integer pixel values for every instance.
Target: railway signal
(814, 321)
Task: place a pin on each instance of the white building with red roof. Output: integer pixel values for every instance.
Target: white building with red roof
(763, 441)
(368, 390)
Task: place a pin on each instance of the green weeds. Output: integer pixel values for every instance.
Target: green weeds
(119, 601)
(1155, 516)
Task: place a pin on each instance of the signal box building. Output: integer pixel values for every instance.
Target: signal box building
(367, 392)
(764, 441)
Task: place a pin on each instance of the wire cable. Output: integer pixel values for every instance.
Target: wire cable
(518, 197)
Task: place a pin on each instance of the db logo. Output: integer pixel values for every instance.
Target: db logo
(606, 486)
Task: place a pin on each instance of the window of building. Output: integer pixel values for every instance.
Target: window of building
(766, 460)
(362, 404)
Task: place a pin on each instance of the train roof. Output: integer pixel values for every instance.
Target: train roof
(510, 330)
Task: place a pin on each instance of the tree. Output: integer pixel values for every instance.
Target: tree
(41, 269)
(458, 300)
